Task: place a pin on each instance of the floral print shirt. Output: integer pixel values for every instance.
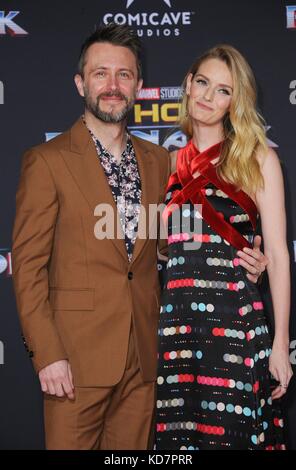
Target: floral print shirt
(125, 183)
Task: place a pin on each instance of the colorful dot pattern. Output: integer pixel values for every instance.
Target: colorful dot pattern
(214, 385)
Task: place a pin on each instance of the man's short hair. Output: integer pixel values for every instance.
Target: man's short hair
(118, 35)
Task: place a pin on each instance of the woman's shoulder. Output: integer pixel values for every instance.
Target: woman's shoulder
(267, 157)
(270, 167)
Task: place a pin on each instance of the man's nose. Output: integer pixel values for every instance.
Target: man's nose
(113, 82)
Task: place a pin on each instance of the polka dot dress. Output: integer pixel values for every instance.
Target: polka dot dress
(214, 385)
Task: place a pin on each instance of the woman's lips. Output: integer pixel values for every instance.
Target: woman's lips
(204, 106)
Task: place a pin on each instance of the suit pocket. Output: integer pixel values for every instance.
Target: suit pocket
(72, 299)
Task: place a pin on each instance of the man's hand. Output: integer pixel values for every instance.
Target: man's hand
(56, 379)
(253, 260)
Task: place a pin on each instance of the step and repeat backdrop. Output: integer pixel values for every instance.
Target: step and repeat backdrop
(39, 47)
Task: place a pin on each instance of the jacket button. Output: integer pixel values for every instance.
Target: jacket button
(31, 354)
(130, 275)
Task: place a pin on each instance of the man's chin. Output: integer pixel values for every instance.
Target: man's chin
(114, 112)
(112, 118)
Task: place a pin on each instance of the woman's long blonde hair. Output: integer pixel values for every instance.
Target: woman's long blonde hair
(244, 127)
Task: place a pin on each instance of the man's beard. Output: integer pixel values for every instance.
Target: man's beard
(110, 117)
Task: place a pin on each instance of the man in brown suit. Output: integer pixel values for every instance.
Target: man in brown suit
(89, 305)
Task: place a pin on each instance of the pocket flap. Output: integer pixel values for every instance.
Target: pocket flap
(71, 299)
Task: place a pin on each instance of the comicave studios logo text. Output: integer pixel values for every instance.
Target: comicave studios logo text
(163, 23)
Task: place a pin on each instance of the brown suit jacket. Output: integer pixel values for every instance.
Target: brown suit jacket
(78, 295)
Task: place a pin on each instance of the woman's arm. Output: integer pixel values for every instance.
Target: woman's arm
(271, 206)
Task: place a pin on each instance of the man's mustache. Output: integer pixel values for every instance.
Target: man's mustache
(110, 94)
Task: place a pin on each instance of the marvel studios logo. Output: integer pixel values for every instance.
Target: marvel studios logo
(160, 93)
(291, 17)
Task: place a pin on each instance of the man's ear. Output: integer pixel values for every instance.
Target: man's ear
(79, 84)
(139, 85)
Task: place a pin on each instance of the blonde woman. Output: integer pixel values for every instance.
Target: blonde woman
(220, 376)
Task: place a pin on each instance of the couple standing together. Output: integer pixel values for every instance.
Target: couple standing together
(89, 308)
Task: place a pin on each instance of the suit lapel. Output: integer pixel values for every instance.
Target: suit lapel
(150, 190)
(82, 162)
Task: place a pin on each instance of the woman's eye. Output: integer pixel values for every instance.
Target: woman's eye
(224, 91)
(200, 81)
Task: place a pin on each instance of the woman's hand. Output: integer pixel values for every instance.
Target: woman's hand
(280, 368)
(253, 260)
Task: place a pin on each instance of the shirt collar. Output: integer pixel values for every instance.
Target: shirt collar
(102, 149)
